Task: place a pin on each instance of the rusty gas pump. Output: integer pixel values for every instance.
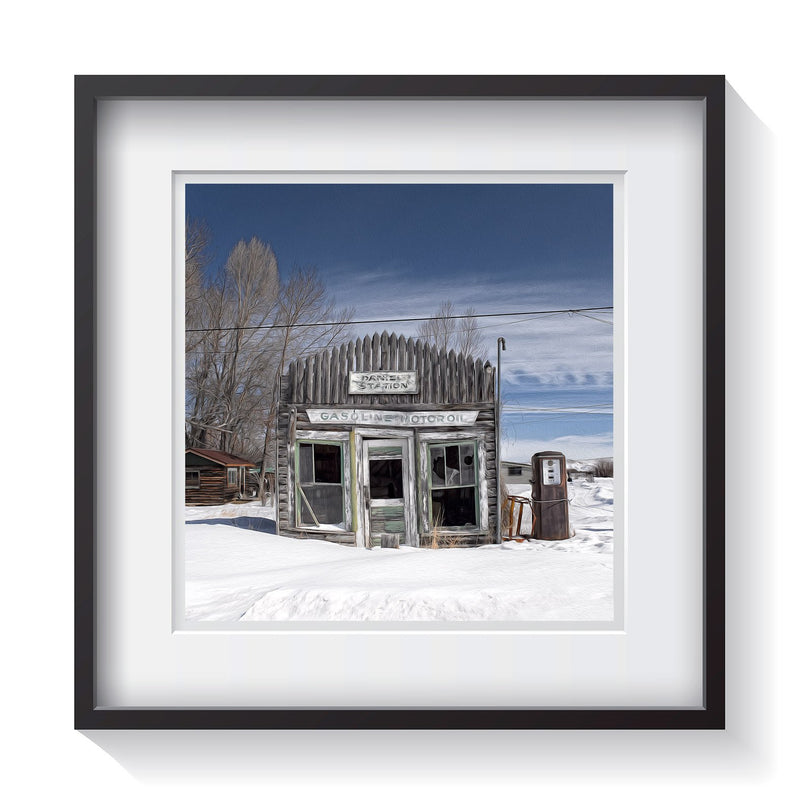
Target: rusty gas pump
(549, 496)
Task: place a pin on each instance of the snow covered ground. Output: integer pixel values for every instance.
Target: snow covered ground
(237, 568)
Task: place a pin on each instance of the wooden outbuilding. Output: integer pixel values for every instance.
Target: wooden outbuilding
(388, 441)
(213, 477)
(515, 472)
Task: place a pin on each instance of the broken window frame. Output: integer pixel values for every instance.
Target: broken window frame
(300, 496)
(433, 485)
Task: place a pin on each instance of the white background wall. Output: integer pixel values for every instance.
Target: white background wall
(46, 44)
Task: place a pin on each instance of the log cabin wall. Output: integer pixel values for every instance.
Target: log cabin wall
(213, 488)
(449, 384)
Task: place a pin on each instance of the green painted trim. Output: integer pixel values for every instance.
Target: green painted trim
(353, 483)
(475, 485)
(298, 508)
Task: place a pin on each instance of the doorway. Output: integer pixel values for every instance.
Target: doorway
(388, 493)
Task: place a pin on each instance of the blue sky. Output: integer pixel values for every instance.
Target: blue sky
(398, 250)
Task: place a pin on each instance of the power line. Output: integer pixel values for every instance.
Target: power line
(565, 409)
(548, 411)
(594, 318)
(507, 323)
(257, 345)
(390, 321)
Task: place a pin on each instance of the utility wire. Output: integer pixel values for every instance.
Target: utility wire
(558, 412)
(390, 321)
(589, 409)
(538, 316)
(594, 318)
(508, 323)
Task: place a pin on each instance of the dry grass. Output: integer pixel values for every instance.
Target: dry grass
(604, 468)
(441, 538)
(505, 513)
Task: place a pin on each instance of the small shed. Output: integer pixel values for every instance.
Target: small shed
(214, 477)
(515, 472)
(388, 441)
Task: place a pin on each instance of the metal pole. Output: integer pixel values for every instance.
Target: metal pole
(499, 530)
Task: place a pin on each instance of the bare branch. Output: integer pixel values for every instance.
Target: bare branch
(447, 332)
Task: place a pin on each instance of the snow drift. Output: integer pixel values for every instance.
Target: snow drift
(238, 569)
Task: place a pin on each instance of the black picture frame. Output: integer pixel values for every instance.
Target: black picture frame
(90, 89)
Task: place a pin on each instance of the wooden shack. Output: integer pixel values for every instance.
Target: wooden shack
(515, 472)
(213, 477)
(387, 441)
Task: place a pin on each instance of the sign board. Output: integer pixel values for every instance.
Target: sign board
(382, 383)
(403, 419)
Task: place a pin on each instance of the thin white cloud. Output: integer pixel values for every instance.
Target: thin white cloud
(417, 290)
(598, 445)
(557, 354)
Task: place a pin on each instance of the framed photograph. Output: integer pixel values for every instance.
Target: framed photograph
(399, 402)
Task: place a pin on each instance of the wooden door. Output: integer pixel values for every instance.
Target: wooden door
(387, 492)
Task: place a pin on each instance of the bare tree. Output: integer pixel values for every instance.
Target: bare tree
(242, 329)
(308, 321)
(450, 330)
(470, 338)
(197, 258)
(227, 374)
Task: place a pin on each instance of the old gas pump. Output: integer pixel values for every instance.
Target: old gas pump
(550, 504)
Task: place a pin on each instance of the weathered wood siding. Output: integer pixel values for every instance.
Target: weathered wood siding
(445, 378)
(447, 381)
(214, 489)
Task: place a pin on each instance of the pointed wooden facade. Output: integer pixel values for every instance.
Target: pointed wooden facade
(386, 441)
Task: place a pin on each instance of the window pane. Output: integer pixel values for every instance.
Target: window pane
(453, 489)
(453, 466)
(320, 494)
(467, 464)
(327, 464)
(326, 501)
(306, 463)
(453, 507)
(385, 478)
(437, 466)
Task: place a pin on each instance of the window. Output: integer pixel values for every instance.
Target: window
(453, 484)
(319, 489)
(192, 479)
(515, 470)
(233, 476)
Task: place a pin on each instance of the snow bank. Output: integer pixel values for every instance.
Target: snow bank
(237, 568)
(591, 517)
